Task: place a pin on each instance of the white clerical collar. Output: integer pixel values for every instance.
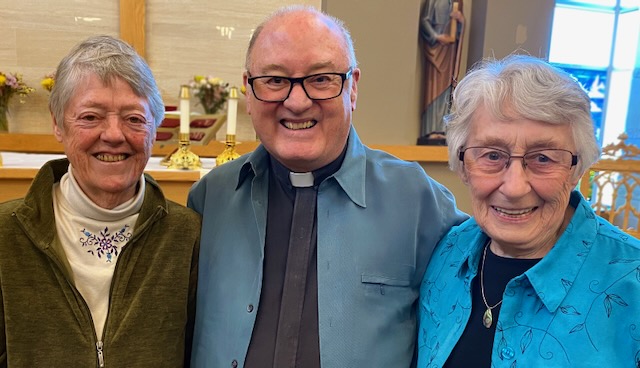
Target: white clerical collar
(301, 180)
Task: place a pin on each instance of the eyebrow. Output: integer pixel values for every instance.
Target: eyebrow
(315, 68)
(130, 107)
(530, 146)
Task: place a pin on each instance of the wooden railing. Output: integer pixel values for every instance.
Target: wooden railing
(612, 185)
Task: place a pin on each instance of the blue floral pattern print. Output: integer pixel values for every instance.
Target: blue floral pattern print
(578, 307)
(105, 244)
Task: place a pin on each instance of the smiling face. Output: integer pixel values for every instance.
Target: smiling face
(107, 133)
(524, 215)
(300, 133)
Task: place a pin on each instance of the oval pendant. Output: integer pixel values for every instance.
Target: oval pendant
(487, 318)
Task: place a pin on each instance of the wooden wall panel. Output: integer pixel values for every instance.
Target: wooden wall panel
(132, 24)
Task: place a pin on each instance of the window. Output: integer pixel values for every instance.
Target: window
(597, 42)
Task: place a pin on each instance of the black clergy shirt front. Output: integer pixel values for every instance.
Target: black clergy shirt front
(265, 339)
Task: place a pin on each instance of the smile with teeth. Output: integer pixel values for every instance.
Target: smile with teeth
(111, 158)
(295, 126)
(515, 213)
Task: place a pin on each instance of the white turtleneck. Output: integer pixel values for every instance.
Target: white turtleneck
(92, 238)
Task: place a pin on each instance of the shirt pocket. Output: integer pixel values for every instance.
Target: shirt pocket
(385, 283)
(388, 295)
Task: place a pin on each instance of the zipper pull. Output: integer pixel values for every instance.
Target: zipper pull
(100, 354)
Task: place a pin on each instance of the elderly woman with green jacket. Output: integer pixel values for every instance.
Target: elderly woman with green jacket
(97, 268)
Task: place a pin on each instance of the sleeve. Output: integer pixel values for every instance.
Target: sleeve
(427, 31)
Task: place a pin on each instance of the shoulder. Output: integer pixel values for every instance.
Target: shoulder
(7, 210)
(178, 210)
(385, 159)
(619, 242)
(385, 167)
(8, 207)
(408, 177)
(227, 174)
(175, 215)
(183, 215)
(460, 239)
(601, 231)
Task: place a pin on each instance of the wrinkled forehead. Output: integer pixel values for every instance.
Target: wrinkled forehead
(512, 132)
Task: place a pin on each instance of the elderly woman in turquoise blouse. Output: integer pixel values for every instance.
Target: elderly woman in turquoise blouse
(535, 278)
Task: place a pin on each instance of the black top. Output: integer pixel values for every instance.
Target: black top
(476, 343)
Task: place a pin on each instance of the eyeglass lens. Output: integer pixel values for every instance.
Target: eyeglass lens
(542, 162)
(317, 87)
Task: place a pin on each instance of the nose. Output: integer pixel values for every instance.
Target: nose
(515, 181)
(298, 99)
(112, 129)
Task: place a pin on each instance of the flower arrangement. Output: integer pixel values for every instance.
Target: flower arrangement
(11, 84)
(212, 92)
(48, 81)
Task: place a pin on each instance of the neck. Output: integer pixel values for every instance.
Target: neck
(513, 252)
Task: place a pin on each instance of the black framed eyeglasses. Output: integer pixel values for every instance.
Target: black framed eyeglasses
(321, 86)
(544, 162)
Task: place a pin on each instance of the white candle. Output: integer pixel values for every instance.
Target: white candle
(184, 110)
(232, 112)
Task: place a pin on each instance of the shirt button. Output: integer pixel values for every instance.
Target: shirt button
(507, 353)
(250, 308)
(234, 364)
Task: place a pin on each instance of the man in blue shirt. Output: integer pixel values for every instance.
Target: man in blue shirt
(313, 246)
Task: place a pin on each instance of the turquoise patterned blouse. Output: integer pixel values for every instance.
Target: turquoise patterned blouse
(578, 307)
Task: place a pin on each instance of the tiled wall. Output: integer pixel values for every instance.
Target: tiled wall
(183, 38)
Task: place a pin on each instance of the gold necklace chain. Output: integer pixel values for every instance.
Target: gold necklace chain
(487, 318)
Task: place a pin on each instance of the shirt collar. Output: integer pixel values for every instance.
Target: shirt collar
(350, 175)
(554, 275)
(282, 173)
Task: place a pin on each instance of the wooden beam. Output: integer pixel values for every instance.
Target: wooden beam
(132, 24)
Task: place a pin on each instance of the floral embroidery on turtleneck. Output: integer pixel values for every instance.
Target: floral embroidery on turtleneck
(105, 243)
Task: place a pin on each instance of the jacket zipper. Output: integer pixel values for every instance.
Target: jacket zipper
(99, 343)
(100, 354)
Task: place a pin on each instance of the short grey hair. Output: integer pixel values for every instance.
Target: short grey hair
(346, 35)
(108, 58)
(522, 86)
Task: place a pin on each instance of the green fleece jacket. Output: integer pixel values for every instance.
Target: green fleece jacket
(46, 323)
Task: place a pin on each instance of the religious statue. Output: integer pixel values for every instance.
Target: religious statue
(441, 30)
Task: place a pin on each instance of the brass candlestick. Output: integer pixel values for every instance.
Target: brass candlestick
(183, 158)
(229, 153)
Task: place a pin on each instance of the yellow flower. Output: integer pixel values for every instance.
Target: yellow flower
(215, 81)
(47, 83)
(3, 79)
